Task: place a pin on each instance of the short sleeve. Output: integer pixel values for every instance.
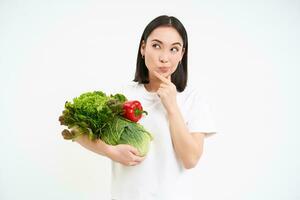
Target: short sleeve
(200, 118)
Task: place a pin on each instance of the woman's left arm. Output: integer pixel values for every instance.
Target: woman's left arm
(188, 146)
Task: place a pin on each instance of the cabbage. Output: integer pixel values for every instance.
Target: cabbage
(123, 131)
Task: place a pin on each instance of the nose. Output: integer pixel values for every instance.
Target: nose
(163, 58)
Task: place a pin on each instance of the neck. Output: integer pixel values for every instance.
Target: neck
(152, 86)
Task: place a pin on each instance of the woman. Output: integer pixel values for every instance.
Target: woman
(178, 118)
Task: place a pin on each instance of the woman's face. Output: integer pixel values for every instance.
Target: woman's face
(162, 51)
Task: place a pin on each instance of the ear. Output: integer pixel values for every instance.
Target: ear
(143, 45)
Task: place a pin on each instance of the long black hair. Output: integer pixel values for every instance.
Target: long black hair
(179, 77)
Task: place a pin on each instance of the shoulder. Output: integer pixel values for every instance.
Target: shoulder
(194, 99)
(130, 86)
(131, 90)
(192, 93)
(123, 87)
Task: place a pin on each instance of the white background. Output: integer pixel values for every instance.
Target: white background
(244, 55)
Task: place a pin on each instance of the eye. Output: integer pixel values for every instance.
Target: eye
(174, 49)
(156, 46)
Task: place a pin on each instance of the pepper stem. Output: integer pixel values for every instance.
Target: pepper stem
(138, 112)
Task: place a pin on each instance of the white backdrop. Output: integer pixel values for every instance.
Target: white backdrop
(244, 55)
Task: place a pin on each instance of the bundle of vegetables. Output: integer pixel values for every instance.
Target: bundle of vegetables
(112, 119)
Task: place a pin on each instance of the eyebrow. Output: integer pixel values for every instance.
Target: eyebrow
(162, 42)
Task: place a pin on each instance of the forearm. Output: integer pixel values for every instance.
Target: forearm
(186, 148)
(97, 146)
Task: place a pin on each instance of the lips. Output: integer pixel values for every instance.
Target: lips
(164, 69)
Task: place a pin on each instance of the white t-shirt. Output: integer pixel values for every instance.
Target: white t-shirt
(155, 177)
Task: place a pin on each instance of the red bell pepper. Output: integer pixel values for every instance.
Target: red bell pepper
(133, 110)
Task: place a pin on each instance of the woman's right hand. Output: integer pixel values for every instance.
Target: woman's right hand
(125, 154)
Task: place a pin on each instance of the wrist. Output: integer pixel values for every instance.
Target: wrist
(174, 110)
(108, 150)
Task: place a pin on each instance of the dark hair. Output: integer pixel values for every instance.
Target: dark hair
(179, 77)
